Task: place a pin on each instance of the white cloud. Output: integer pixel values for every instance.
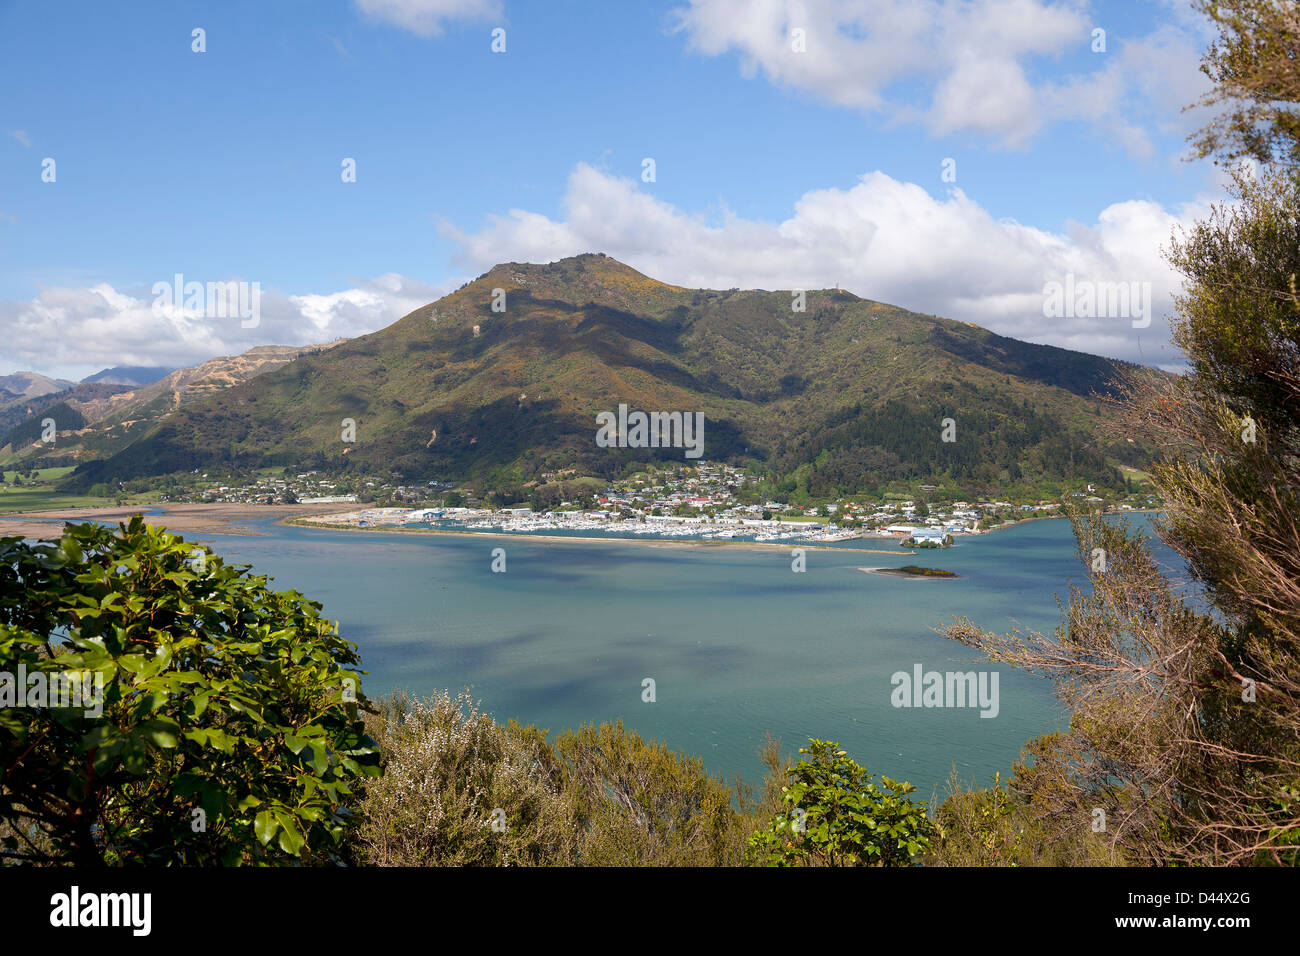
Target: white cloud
(428, 17)
(21, 136)
(883, 239)
(73, 332)
(976, 60)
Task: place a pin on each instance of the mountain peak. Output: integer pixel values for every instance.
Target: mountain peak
(591, 264)
(591, 277)
(32, 384)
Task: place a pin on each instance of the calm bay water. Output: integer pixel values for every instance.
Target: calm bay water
(736, 642)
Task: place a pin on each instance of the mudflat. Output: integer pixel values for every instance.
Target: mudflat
(218, 518)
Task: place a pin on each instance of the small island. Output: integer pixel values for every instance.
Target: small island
(911, 571)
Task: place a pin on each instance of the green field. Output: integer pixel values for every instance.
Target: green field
(1139, 477)
(42, 474)
(44, 498)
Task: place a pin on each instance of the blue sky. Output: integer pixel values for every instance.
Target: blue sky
(775, 168)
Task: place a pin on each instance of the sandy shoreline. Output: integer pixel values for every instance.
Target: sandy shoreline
(222, 518)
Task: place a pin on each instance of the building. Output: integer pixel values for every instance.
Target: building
(930, 536)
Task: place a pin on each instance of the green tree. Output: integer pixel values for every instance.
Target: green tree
(836, 816)
(1255, 68)
(227, 728)
(1185, 725)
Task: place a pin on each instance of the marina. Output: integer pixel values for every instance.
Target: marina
(524, 521)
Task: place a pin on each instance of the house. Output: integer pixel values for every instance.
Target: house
(930, 536)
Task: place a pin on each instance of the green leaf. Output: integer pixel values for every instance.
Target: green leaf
(161, 732)
(291, 840)
(264, 826)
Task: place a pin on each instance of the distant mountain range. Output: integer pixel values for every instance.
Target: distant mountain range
(22, 394)
(502, 380)
(111, 409)
(34, 384)
(129, 375)
(22, 385)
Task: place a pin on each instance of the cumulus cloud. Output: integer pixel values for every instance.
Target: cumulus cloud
(880, 238)
(72, 332)
(428, 17)
(883, 239)
(974, 62)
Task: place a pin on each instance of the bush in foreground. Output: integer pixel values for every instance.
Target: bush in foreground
(836, 816)
(219, 722)
(460, 789)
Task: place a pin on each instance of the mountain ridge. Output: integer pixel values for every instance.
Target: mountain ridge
(501, 380)
(100, 418)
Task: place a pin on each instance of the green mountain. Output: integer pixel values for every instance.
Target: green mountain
(848, 393)
(18, 410)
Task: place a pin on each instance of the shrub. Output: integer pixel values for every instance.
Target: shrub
(637, 803)
(450, 774)
(1000, 826)
(228, 728)
(597, 796)
(836, 816)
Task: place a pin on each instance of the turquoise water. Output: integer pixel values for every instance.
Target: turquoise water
(736, 642)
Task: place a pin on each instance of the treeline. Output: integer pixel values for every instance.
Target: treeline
(865, 448)
(1184, 740)
(65, 418)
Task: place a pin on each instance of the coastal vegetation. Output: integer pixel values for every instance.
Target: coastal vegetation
(211, 720)
(1186, 712)
(223, 723)
(835, 815)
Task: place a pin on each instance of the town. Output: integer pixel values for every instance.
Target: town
(700, 499)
